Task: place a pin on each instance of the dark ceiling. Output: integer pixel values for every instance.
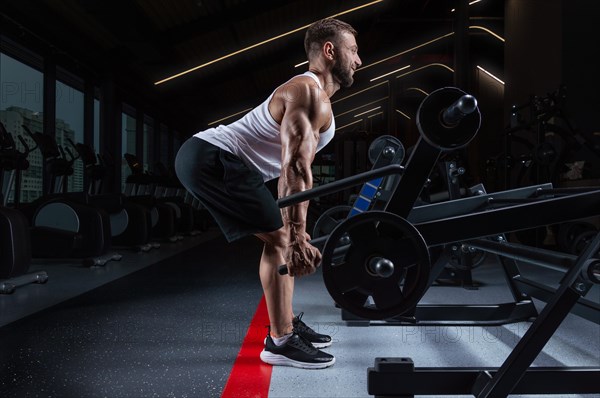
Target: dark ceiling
(140, 42)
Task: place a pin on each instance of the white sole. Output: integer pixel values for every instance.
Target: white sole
(316, 345)
(321, 345)
(276, 359)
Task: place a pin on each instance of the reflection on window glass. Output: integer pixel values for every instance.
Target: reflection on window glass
(128, 127)
(21, 103)
(148, 137)
(97, 125)
(69, 126)
(176, 143)
(164, 144)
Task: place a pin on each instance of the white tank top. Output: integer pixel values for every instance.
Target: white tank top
(255, 138)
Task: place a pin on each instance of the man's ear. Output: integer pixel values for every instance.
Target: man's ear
(328, 49)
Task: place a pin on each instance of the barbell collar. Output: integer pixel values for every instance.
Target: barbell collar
(464, 106)
(389, 152)
(381, 267)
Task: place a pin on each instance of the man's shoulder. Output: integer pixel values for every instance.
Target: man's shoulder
(303, 89)
(299, 84)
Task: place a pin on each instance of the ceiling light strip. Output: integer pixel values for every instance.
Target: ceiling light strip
(300, 64)
(259, 44)
(406, 51)
(230, 116)
(390, 73)
(375, 114)
(497, 36)
(471, 3)
(338, 115)
(429, 42)
(426, 66)
(365, 112)
(491, 75)
(417, 89)
(349, 124)
(355, 8)
(358, 92)
(403, 114)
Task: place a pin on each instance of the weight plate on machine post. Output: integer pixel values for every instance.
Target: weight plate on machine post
(376, 265)
(380, 143)
(329, 220)
(435, 132)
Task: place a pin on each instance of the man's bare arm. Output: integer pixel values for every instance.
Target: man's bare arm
(302, 121)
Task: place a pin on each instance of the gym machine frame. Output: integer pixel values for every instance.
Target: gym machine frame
(382, 256)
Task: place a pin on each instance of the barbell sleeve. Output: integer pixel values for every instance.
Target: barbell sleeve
(340, 185)
(464, 106)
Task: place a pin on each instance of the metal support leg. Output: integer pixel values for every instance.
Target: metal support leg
(422, 160)
(534, 340)
(8, 286)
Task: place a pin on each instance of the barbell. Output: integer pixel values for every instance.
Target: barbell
(376, 264)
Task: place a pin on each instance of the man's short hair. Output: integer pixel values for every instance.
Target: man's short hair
(322, 31)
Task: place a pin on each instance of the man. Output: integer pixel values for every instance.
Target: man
(226, 167)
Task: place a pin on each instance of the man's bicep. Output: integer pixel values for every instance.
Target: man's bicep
(298, 134)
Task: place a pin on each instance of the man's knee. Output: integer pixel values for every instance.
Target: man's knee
(277, 238)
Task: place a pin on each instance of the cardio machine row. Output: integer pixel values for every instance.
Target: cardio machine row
(84, 227)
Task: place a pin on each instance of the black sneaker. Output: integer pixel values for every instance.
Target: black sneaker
(296, 352)
(317, 339)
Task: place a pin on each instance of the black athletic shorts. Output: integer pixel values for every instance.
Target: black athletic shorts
(234, 193)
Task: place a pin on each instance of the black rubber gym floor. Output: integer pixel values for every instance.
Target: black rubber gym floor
(172, 329)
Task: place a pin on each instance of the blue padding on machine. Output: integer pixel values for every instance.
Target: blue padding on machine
(354, 212)
(368, 191)
(376, 182)
(362, 203)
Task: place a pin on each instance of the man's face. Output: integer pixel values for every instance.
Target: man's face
(346, 60)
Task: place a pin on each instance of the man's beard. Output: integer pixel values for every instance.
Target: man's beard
(342, 73)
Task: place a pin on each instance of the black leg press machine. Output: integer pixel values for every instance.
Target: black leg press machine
(377, 264)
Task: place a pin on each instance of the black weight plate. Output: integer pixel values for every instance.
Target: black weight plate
(353, 285)
(433, 130)
(380, 142)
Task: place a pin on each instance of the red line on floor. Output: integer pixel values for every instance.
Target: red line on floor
(250, 377)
